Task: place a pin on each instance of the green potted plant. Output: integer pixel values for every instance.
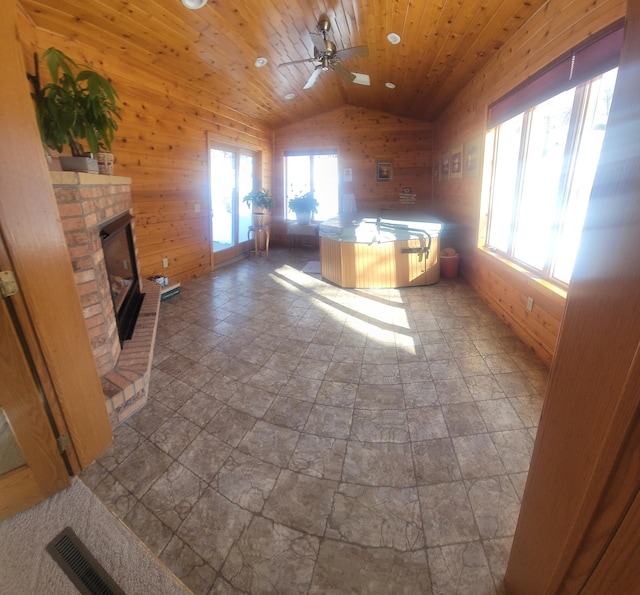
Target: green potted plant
(259, 201)
(78, 104)
(304, 206)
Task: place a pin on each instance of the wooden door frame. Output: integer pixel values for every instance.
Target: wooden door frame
(37, 249)
(44, 472)
(237, 250)
(584, 469)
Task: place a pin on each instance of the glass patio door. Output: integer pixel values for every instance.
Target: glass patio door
(232, 177)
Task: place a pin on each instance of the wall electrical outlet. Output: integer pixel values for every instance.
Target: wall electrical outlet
(529, 304)
(196, 207)
(165, 263)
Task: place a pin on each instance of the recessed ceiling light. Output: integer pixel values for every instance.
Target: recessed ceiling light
(289, 95)
(389, 85)
(260, 62)
(194, 4)
(394, 38)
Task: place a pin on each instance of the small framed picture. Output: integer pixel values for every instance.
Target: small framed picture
(456, 162)
(444, 166)
(384, 171)
(471, 161)
(348, 174)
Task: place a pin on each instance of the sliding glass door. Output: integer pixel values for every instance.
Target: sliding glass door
(232, 178)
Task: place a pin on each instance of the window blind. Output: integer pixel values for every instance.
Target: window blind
(601, 52)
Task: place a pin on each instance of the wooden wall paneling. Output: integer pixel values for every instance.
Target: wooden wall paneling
(506, 291)
(160, 86)
(361, 137)
(584, 471)
(551, 31)
(161, 145)
(36, 245)
(28, 40)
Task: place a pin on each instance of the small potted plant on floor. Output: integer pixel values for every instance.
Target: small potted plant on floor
(260, 202)
(304, 206)
(78, 104)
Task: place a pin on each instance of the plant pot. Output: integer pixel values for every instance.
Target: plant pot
(84, 164)
(449, 266)
(105, 163)
(258, 216)
(303, 218)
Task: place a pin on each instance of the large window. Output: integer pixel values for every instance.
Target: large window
(312, 171)
(540, 165)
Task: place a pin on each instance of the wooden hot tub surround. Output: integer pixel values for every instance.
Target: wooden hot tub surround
(389, 252)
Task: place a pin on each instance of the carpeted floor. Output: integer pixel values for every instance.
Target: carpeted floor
(26, 567)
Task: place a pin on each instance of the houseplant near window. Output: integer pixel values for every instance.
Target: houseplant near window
(260, 201)
(304, 206)
(78, 104)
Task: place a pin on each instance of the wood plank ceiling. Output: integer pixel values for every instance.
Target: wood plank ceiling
(444, 43)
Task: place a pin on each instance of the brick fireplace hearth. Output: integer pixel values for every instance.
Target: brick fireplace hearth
(85, 203)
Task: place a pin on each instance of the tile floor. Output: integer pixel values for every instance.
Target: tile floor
(302, 438)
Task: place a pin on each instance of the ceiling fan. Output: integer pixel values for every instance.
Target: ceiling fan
(327, 57)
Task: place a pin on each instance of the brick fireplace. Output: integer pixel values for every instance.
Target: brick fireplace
(85, 203)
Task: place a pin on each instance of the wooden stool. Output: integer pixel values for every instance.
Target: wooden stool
(257, 230)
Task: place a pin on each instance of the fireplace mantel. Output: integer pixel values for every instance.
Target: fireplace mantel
(85, 203)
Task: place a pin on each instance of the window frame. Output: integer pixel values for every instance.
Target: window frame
(583, 94)
(289, 216)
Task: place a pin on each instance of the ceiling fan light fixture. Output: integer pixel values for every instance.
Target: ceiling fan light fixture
(390, 85)
(394, 38)
(260, 62)
(194, 4)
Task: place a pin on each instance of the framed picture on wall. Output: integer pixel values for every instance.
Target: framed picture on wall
(384, 171)
(444, 166)
(471, 159)
(456, 162)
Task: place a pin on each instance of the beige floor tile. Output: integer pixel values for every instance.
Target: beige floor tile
(347, 568)
(319, 456)
(271, 558)
(461, 569)
(270, 443)
(213, 526)
(446, 514)
(379, 464)
(306, 438)
(301, 501)
(377, 517)
(173, 495)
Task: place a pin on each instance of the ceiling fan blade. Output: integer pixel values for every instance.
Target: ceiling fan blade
(343, 73)
(312, 79)
(297, 62)
(361, 50)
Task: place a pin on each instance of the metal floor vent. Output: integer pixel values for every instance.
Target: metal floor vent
(84, 571)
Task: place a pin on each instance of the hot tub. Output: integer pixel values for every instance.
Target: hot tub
(360, 251)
